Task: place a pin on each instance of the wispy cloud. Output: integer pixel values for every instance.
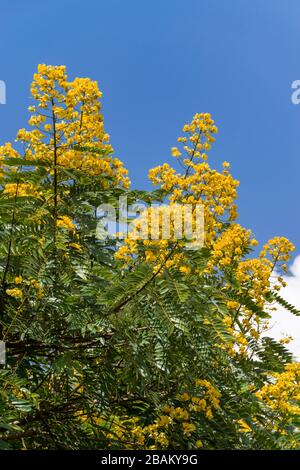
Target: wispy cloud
(283, 322)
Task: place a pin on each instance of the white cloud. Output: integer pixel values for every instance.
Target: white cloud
(283, 322)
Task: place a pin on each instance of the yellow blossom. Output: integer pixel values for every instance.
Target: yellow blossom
(175, 152)
(188, 428)
(14, 292)
(64, 221)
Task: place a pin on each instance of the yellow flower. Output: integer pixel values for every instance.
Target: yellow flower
(18, 279)
(76, 246)
(184, 397)
(188, 428)
(163, 421)
(244, 427)
(185, 269)
(34, 283)
(179, 413)
(14, 292)
(79, 126)
(175, 152)
(283, 394)
(255, 272)
(232, 305)
(229, 247)
(21, 190)
(279, 250)
(64, 221)
(286, 340)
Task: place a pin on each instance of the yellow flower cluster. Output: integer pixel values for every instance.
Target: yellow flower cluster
(243, 426)
(152, 432)
(232, 305)
(35, 284)
(76, 246)
(156, 231)
(254, 276)
(278, 252)
(132, 435)
(229, 247)
(209, 399)
(180, 418)
(178, 413)
(64, 221)
(15, 292)
(283, 394)
(198, 184)
(205, 399)
(237, 346)
(188, 428)
(28, 284)
(21, 190)
(286, 339)
(198, 136)
(6, 152)
(174, 422)
(229, 242)
(67, 116)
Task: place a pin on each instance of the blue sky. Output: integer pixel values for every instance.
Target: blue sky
(160, 61)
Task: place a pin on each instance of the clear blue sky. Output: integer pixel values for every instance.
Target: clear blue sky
(160, 61)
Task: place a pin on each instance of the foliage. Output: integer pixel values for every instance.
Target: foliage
(137, 345)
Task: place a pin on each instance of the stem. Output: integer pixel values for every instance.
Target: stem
(55, 175)
(2, 302)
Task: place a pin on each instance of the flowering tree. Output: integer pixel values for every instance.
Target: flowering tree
(141, 344)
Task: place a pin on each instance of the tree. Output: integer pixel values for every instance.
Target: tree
(140, 344)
